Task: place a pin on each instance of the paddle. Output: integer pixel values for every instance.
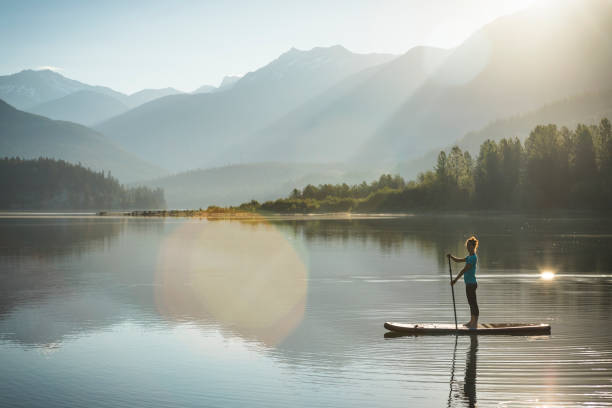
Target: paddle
(450, 272)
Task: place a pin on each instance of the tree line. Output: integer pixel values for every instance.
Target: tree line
(56, 184)
(555, 168)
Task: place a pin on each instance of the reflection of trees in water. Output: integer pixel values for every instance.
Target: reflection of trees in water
(55, 237)
(31, 248)
(44, 294)
(36, 283)
(61, 237)
(508, 242)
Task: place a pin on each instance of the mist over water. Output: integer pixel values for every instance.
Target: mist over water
(158, 312)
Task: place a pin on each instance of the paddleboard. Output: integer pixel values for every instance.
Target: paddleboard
(483, 328)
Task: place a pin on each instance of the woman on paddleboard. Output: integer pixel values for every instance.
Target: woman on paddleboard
(469, 278)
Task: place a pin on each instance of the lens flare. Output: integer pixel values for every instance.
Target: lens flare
(547, 275)
(244, 278)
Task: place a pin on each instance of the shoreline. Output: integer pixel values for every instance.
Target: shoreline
(244, 215)
(235, 214)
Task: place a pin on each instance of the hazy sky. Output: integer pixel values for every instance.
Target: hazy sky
(131, 45)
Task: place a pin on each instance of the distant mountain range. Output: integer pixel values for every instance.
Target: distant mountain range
(85, 107)
(330, 126)
(370, 113)
(29, 88)
(29, 136)
(225, 85)
(50, 94)
(147, 95)
(330, 105)
(187, 131)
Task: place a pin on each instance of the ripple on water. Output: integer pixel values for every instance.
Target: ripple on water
(82, 323)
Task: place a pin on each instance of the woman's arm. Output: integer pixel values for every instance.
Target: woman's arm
(454, 258)
(465, 268)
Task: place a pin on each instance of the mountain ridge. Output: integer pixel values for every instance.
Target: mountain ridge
(371, 95)
(51, 94)
(189, 131)
(84, 107)
(511, 65)
(30, 136)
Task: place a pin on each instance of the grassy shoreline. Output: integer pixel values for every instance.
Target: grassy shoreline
(236, 214)
(233, 213)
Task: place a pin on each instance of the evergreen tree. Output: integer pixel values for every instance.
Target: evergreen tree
(488, 183)
(511, 153)
(584, 169)
(544, 163)
(604, 161)
(55, 184)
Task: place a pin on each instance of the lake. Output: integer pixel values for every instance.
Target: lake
(126, 312)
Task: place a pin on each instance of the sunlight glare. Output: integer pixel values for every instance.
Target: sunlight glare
(547, 275)
(247, 279)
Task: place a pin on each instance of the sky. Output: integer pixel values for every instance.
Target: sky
(132, 45)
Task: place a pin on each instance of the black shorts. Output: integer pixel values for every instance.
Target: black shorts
(470, 291)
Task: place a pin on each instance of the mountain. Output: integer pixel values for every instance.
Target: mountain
(228, 82)
(187, 131)
(29, 88)
(148, 95)
(48, 93)
(84, 107)
(587, 108)
(584, 108)
(512, 65)
(89, 106)
(31, 136)
(205, 89)
(233, 185)
(330, 126)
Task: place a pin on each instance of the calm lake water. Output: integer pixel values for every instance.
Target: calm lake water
(128, 312)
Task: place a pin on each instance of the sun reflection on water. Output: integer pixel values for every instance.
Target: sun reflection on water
(547, 275)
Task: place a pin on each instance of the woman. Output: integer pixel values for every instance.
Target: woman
(469, 278)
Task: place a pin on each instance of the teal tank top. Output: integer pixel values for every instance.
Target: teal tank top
(470, 275)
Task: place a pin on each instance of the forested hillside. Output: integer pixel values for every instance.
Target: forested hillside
(582, 108)
(45, 184)
(30, 136)
(556, 168)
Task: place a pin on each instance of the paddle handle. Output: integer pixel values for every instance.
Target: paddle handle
(450, 273)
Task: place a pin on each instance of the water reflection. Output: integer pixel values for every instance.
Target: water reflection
(466, 393)
(469, 385)
(59, 279)
(249, 281)
(452, 375)
(307, 299)
(507, 242)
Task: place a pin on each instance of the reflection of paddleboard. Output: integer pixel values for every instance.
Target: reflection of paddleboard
(484, 328)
